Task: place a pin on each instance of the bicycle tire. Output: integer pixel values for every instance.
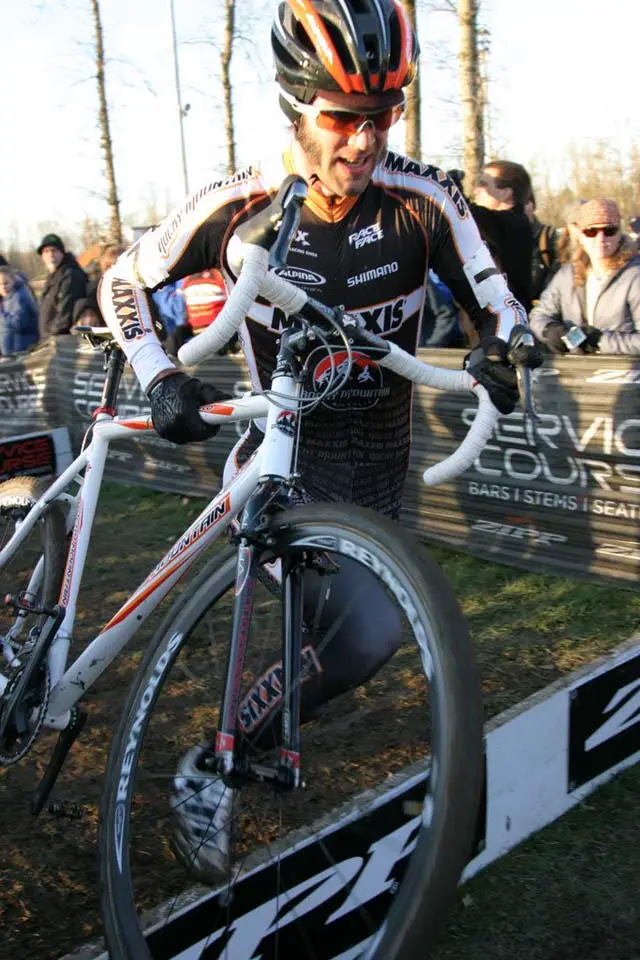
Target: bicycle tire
(47, 539)
(17, 496)
(424, 897)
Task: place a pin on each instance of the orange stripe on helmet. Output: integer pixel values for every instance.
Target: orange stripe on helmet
(321, 40)
(398, 78)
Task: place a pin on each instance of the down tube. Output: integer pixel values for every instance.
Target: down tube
(206, 528)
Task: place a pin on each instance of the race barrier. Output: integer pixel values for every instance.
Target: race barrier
(563, 498)
(543, 757)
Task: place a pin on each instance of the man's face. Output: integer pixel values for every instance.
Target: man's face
(343, 158)
(490, 191)
(51, 257)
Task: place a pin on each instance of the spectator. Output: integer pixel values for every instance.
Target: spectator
(440, 326)
(86, 309)
(546, 240)
(172, 309)
(570, 235)
(498, 207)
(18, 313)
(66, 284)
(3, 262)
(205, 294)
(593, 303)
(634, 227)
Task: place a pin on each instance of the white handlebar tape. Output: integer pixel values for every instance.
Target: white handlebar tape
(254, 280)
(458, 381)
(415, 370)
(471, 447)
(283, 294)
(230, 318)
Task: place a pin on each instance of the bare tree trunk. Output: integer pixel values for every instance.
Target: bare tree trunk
(470, 93)
(413, 137)
(225, 63)
(115, 223)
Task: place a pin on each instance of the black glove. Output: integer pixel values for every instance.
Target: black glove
(591, 344)
(491, 364)
(553, 334)
(175, 400)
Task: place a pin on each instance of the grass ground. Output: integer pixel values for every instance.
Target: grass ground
(569, 893)
(527, 630)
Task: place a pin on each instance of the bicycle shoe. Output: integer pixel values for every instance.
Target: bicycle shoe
(202, 808)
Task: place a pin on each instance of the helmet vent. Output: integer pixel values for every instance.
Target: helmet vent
(343, 51)
(395, 42)
(371, 51)
(303, 37)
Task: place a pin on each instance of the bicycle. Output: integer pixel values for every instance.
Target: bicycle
(181, 692)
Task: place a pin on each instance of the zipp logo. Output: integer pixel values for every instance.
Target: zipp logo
(348, 884)
(625, 550)
(518, 532)
(624, 711)
(306, 278)
(604, 722)
(366, 235)
(615, 377)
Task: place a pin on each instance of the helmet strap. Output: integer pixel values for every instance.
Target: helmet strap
(289, 111)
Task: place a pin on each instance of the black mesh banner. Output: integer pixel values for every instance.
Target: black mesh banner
(563, 497)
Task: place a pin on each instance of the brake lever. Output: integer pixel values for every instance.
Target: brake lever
(525, 392)
(522, 335)
(274, 228)
(295, 194)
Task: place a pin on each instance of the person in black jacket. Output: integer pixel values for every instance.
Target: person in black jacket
(498, 207)
(67, 283)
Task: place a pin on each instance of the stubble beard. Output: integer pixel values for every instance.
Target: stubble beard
(329, 177)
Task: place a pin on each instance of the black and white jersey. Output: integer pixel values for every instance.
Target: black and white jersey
(370, 254)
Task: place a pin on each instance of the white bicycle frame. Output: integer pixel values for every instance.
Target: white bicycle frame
(272, 459)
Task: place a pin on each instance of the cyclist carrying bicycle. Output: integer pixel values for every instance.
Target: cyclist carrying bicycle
(372, 226)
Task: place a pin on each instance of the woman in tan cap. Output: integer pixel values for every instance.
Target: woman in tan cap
(593, 303)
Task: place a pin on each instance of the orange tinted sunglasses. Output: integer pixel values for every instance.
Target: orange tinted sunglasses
(349, 122)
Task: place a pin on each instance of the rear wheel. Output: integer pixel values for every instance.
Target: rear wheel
(32, 577)
(400, 754)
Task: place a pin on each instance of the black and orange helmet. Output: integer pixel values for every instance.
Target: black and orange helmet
(356, 46)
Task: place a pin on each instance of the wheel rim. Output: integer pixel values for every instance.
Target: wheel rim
(396, 700)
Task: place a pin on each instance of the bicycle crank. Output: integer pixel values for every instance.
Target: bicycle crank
(25, 698)
(22, 716)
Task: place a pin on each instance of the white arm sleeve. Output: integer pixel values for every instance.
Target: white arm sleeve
(126, 311)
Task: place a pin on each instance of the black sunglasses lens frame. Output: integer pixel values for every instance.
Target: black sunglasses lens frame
(591, 232)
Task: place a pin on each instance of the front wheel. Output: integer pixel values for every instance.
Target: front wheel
(399, 748)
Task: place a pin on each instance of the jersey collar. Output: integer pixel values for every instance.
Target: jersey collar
(331, 209)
